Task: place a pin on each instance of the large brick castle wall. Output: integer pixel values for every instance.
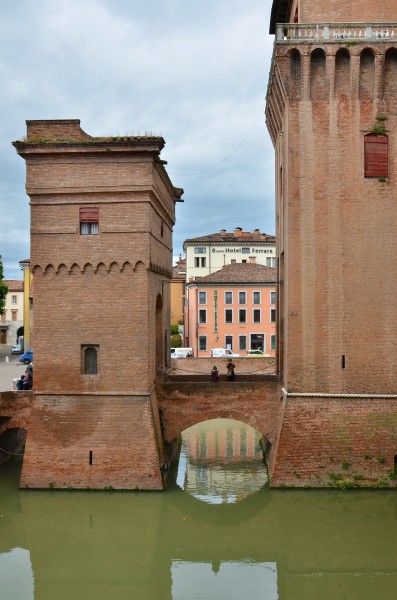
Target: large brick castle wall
(330, 86)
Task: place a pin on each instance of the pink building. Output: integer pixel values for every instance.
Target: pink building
(234, 308)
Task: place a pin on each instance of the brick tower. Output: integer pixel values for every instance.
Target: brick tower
(102, 212)
(331, 114)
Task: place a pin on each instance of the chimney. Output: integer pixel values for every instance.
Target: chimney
(252, 259)
(237, 231)
(256, 232)
(223, 231)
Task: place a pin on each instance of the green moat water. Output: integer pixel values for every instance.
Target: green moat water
(217, 533)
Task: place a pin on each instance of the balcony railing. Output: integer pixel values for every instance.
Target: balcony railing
(335, 32)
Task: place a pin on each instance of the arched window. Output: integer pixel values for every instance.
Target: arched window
(90, 360)
(376, 155)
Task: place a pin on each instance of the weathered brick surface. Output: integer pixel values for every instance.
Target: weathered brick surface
(336, 225)
(185, 404)
(337, 323)
(108, 290)
(15, 409)
(320, 11)
(342, 442)
(118, 430)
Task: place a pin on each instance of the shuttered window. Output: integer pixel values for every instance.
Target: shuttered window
(376, 155)
(89, 221)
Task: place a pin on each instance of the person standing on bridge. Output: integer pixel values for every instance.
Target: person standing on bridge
(230, 370)
(214, 374)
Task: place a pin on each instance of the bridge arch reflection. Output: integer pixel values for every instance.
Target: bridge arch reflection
(221, 461)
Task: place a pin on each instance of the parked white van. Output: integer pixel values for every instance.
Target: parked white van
(215, 352)
(181, 352)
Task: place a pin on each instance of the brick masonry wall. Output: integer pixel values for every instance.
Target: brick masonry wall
(15, 409)
(105, 290)
(325, 442)
(203, 365)
(120, 431)
(319, 11)
(185, 404)
(338, 245)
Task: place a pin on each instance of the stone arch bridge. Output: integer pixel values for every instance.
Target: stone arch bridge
(184, 402)
(181, 401)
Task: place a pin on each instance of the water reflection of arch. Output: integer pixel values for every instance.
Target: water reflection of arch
(222, 442)
(220, 514)
(235, 414)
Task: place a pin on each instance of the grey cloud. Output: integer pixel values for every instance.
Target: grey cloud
(193, 72)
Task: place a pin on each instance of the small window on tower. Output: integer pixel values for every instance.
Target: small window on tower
(89, 360)
(376, 155)
(89, 221)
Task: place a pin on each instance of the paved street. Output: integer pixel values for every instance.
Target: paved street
(9, 370)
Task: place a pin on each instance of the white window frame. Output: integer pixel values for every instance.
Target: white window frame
(263, 334)
(253, 298)
(273, 297)
(200, 250)
(204, 312)
(229, 336)
(273, 341)
(272, 311)
(239, 320)
(228, 322)
(89, 228)
(205, 298)
(203, 262)
(14, 300)
(239, 342)
(228, 303)
(202, 337)
(253, 315)
(245, 298)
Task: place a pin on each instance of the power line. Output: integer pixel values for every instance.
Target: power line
(226, 157)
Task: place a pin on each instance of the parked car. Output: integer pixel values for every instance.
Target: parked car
(16, 349)
(257, 353)
(223, 352)
(27, 358)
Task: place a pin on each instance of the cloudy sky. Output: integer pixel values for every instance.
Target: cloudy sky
(193, 72)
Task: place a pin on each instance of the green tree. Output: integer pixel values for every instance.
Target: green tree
(3, 290)
(174, 329)
(176, 341)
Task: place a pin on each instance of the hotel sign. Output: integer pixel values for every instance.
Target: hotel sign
(240, 249)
